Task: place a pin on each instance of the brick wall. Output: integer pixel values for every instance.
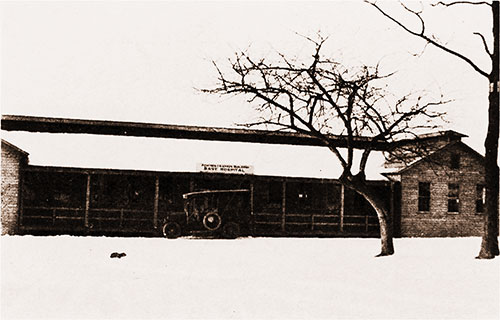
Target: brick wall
(438, 222)
(12, 160)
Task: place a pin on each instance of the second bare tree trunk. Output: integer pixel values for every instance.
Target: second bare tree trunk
(489, 245)
(384, 217)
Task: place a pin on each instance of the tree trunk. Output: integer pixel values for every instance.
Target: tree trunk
(489, 244)
(384, 218)
(385, 221)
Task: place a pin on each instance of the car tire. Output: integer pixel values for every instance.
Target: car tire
(171, 230)
(212, 221)
(231, 230)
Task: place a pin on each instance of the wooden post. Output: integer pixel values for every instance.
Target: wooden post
(121, 218)
(366, 223)
(342, 196)
(157, 197)
(20, 200)
(252, 217)
(87, 202)
(283, 207)
(392, 207)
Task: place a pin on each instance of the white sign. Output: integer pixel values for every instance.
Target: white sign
(224, 168)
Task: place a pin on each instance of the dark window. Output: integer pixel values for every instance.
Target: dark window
(200, 184)
(170, 193)
(275, 192)
(455, 161)
(424, 196)
(304, 195)
(220, 183)
(333, 196)
(480, 198)
(298, 196)
(55, 189)
(453, 197)
(122, 192)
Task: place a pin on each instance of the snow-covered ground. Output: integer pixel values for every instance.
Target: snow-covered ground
(260, 278)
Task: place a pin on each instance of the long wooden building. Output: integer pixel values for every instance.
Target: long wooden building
(96, 201)
(440, 195)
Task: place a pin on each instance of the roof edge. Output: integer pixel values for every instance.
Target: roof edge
(13, 147)
(474, 152)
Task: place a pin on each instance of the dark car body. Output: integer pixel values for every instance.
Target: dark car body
(213, 213)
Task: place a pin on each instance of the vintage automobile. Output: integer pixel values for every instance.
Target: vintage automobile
(219, 213)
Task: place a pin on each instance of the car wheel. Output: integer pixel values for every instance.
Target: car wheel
(212, 221)
(171, 230)
(231, 230)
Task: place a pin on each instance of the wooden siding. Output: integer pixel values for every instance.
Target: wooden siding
(87, 201)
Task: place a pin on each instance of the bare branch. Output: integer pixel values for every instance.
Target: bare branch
(449, 4)
(416, 14)
(485, 44)
(325, 98)
(429, 39)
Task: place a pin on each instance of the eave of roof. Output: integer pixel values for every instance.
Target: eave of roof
(450, 135)
(448, 146)
(122, 128)
(164, 155)
(13, 147)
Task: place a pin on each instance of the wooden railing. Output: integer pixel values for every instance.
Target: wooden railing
(143, 220)
(313, 221)
(91, 215)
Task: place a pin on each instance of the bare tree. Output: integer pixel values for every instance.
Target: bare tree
(489, 244)
(323, 98)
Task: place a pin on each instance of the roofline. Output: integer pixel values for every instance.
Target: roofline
(393, 178)
(24, 153)
(477, 154)
(80, 170)
(140, 129)
(474, 152)
(450, 134)
(156, 130)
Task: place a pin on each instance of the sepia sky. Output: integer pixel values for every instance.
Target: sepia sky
(142, 61)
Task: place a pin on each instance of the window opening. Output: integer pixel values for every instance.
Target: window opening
(453, 197)
(424, 196)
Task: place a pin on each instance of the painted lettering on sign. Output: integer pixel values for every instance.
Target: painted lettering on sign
(224, 168)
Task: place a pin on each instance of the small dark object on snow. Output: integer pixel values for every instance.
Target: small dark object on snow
(117, 255)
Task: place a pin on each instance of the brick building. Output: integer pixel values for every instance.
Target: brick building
(13, 160)
(442, 195)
